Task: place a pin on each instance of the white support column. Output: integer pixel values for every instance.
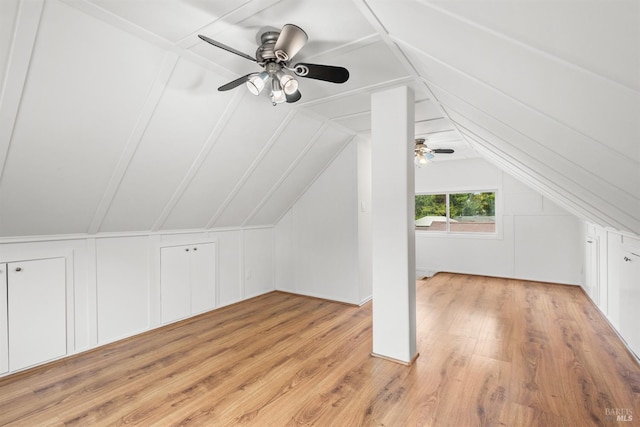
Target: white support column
(393, 238)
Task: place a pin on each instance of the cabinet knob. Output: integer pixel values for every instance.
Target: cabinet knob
(195, 249)
(18, 269)
(187, 250)
(627, 259)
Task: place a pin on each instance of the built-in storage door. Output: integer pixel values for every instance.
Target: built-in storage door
(187, 280)
(36, 311)
(592, 279)
(630, 299)
(4, 327)
(203, 277)
(174, 283)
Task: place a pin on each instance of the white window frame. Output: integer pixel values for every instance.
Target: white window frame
(497, 234)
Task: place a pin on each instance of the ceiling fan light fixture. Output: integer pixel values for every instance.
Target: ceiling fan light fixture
(277, 94)
(275, 51)
(288, 83)
(256, 83)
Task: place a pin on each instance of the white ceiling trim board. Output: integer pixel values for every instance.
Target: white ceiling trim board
(547, 183)
(221, 124)
(587, 180)
(377, 23)
(578, 168)
(237, 15)
(110, 18)
(621, 156)
(155, 94)
(311, 182)
(537, 181)
(364, 89)
(347, 47)
(265, 149)
(525, 46)
(286, 173)
(23, 41)
(351, 116)
(321, 118)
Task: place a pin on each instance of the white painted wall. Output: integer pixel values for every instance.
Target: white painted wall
(615, 288)
(113, 281)
(535, 239)
(317, 239)
(258, 262)
(123, 294)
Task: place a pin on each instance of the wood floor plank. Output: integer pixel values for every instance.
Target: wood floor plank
(493, 352)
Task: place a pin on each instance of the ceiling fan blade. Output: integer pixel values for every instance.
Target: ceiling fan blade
(237, 82)
(227, 48)
(294, 97)
(291, 39)
(442, 150)
(327, 73)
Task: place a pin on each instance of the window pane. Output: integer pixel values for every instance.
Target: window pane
(431, 211)
(472, 212)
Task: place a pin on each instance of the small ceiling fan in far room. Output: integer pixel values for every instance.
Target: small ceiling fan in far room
(424, 154)
(274, 55)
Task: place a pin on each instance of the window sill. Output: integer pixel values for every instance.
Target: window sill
(459, 235)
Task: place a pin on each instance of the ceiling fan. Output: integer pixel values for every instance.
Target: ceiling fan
(274, 55)
(424, 154)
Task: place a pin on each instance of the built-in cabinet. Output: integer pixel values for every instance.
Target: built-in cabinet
(32, 312)
(187, 280)
(592, 279)
(630, 298)
(612, 279)
(91, 291)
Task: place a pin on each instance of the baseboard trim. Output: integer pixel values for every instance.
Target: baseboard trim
(401, 362)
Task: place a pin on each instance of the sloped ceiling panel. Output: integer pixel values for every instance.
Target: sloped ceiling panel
(273, 163)
(244, 137)
(313, 160)
(175, 136)
(86, 86)
(570, 117)
(171, 20)
(8, 15)
(110, 119)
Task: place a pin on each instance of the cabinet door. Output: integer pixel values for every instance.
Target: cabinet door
(36, 311)
(175, 290)
(4, 327)
(592, 279)
(203, 277)
(630, 300)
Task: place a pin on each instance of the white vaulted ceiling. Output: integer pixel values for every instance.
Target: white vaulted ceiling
(110, 118)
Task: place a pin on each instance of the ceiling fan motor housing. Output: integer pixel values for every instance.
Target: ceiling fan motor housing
(266, 51)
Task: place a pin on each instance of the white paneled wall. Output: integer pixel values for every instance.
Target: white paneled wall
(113, 282)
(317, 245)
(612, 278)
(123, 294)
(535, 239)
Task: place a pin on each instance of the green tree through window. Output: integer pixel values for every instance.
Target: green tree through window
(468, 212)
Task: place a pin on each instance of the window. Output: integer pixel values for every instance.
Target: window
(469, 212)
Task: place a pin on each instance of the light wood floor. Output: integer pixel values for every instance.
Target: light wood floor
(492, 352)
